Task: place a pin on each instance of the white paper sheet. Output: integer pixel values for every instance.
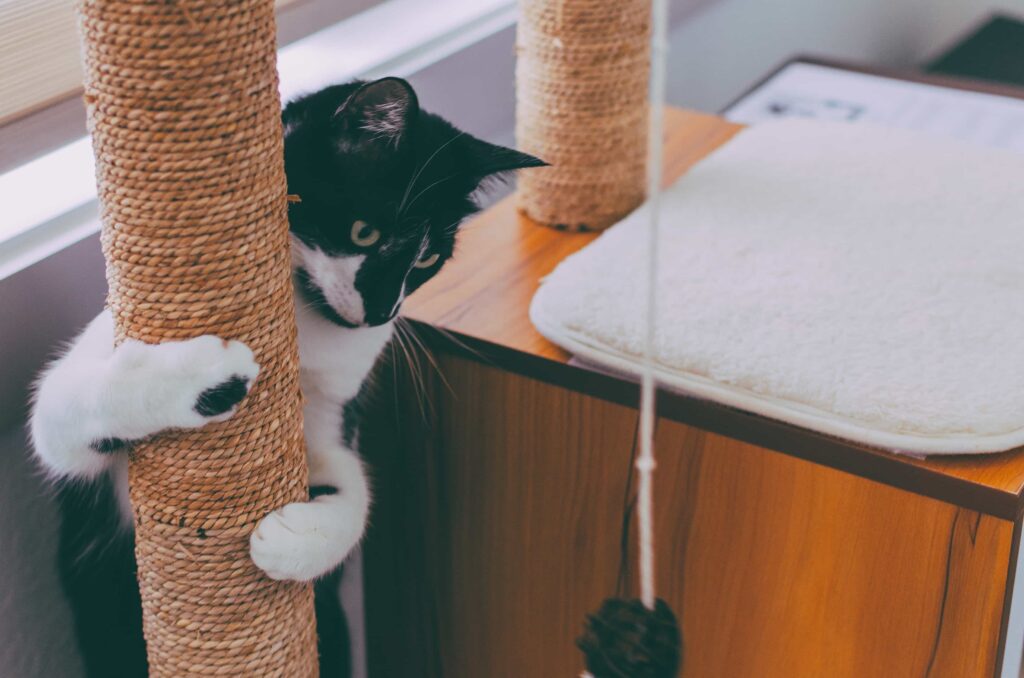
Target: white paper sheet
(823, 92)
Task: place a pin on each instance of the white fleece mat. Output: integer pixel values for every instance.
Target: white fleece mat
(860, 281)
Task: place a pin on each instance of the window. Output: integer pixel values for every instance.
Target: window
(49, 195)
(39, 56)
(40, 61)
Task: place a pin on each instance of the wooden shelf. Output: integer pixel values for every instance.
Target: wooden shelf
(479, 306)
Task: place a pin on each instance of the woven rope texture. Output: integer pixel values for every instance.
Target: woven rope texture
(184, 111)
(581, 88)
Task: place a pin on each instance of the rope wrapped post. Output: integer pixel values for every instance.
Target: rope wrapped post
(581, 105)
(184, 111)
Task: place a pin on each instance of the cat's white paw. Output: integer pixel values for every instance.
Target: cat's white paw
(186, 384)
(301, 541)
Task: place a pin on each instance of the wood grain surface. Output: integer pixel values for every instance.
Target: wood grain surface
(499, 525)
(482, 297)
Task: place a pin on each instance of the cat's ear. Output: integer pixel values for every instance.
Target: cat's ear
(487, 159)
(377, 117)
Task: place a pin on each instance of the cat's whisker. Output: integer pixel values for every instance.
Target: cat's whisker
(414, 351)
(412, 341)
(422, 399)
(427, 353)
(416, 175)
(420, 194)
(453, 338)
(394, 375)
(415, 375)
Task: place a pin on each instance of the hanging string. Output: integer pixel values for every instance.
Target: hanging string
(641, 638)
(645, 463)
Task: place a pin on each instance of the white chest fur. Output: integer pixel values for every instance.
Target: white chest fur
(333, 363)
(335, 360)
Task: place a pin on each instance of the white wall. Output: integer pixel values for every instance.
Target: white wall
(730, 44)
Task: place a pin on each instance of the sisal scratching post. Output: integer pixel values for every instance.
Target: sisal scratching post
(581, 92)
(185, 116)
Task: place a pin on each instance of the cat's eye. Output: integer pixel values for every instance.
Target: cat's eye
(427, 261)
(363, 234)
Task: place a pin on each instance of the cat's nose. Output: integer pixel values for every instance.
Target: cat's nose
(375, 318)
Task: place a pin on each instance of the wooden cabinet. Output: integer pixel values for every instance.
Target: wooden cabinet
(503, 473)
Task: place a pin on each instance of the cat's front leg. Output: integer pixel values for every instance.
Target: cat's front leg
(306, 540)
(96, 400)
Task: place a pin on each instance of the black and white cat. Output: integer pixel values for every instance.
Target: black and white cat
(382, 188)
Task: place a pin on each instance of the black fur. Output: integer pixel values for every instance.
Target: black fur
(109, 445)
(222, 397)
(322, 491)
(413, 180)
(97, 572)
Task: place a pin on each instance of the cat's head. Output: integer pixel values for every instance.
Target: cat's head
(382, 188)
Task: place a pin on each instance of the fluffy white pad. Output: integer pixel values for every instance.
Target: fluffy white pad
(860, 281)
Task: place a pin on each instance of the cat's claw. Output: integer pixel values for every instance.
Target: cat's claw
(300, 542)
